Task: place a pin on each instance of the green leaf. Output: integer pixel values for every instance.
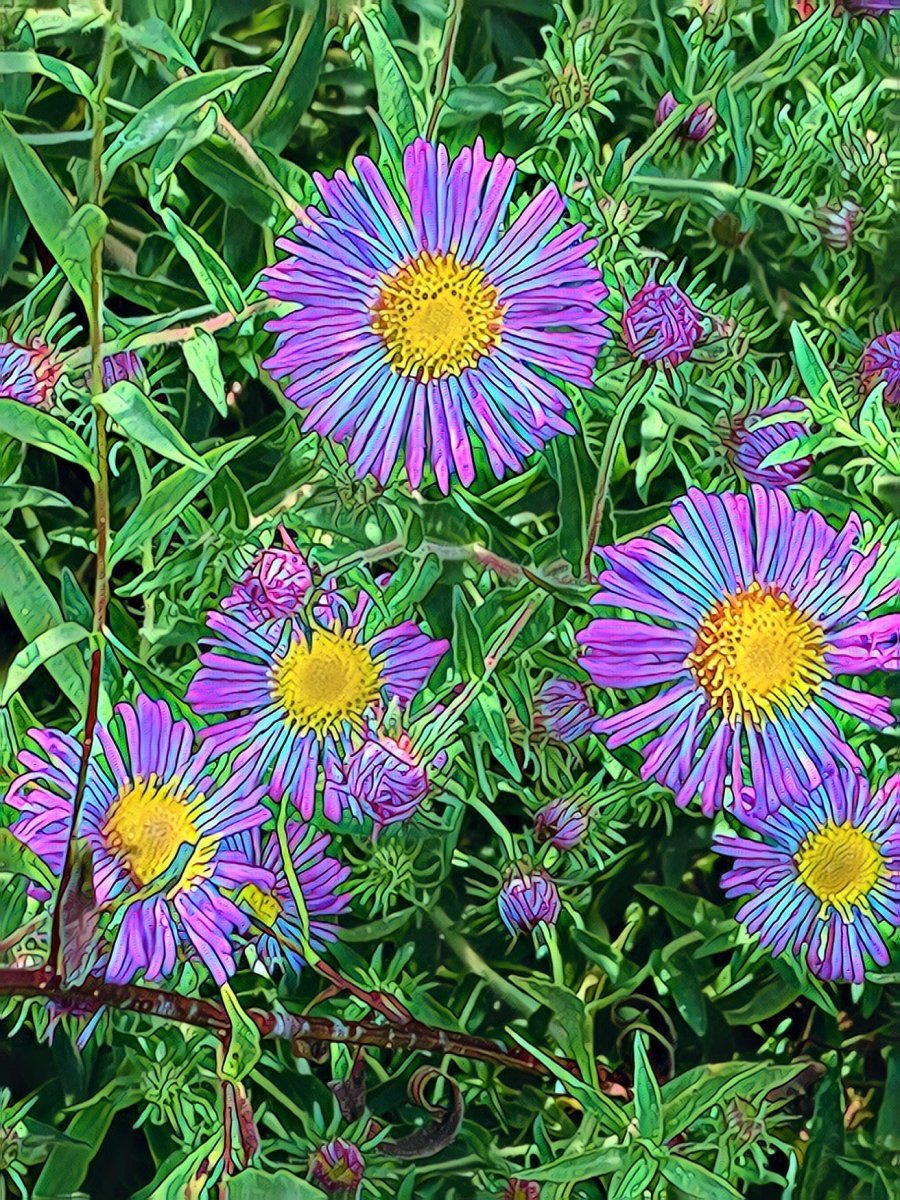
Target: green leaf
(201, 353)
(68, 1164)
(816, 377)
(49, 212)
(695, 1180)
(155, 40)
(610, 1116)
(242, 1051)
(297, 69)
(162, 504)
(18, 859)
(647, 1096)
(575, 473)
(192, 132)
(630, 1183)
(212, 273)
(72, 78)
(167, 110)
(183, 1175)
(260, 1185)
(37, 653)
(694, 1093)
(574, 1168)
(396, 95)
(48, 433)
(139, 417)
(34, 609)
(820, 1180)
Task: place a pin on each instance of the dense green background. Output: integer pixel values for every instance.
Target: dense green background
(805, 120)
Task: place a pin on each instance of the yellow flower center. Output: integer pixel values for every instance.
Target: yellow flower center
(148, 824)
(755, 652)
(265, 906)
(840, 865)
(326, 681)
(437, 316)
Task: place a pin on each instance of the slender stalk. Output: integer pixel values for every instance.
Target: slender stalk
(101, 489)
(291, 56)
(249, 155)
(718, 189)
(445, 66)
(613, 437)
(301, 1030)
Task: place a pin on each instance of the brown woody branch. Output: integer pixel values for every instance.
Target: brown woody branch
(302, 1031)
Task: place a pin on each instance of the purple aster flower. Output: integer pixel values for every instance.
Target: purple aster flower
(270, 901)
(155, 816)
(742, 615)
(823, 874)
(427, 318)
(751, 440)
(28, 373)
(527, 899)
(870, 8)
(838, 225)
(522, 1189)
(383, 779)
(277, 583)
(562, 823)
(661, 324)
(124, 367)
(562, 710)
(696, 126)
(880, 363)
(337, 1167)
(304, 690)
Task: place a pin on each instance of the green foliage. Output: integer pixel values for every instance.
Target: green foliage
(676, 1053)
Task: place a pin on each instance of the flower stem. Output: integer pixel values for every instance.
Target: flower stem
(94, 994)
(614, 434)
(57, 949)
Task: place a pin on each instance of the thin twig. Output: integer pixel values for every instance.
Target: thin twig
(451, 31)
(207, 1014)
(101, 492)
(608, 457)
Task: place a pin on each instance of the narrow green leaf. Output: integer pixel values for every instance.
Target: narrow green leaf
(242, 1052)
(28, 62)
(201, 353)
(167, 499)
(816, 377)
(630, 1183)
(647, 1096)
(18, 859)
(139, 417)
(574, 1168)
(610, 1115)
(37, 653)
(49, 212)
(396, 99)
(34, 610)
(210, 270)
(49, 433)
(694, 1093)
(172, 106)
(260, 1185)
(695, 1180)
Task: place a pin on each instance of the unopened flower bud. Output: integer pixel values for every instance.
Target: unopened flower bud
(337, 1167)
(527, 899)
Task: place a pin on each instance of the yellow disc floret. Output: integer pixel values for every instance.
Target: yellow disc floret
(437, 316)
(326, 681)
(840, 864)
(756, 652)
(148, 824)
